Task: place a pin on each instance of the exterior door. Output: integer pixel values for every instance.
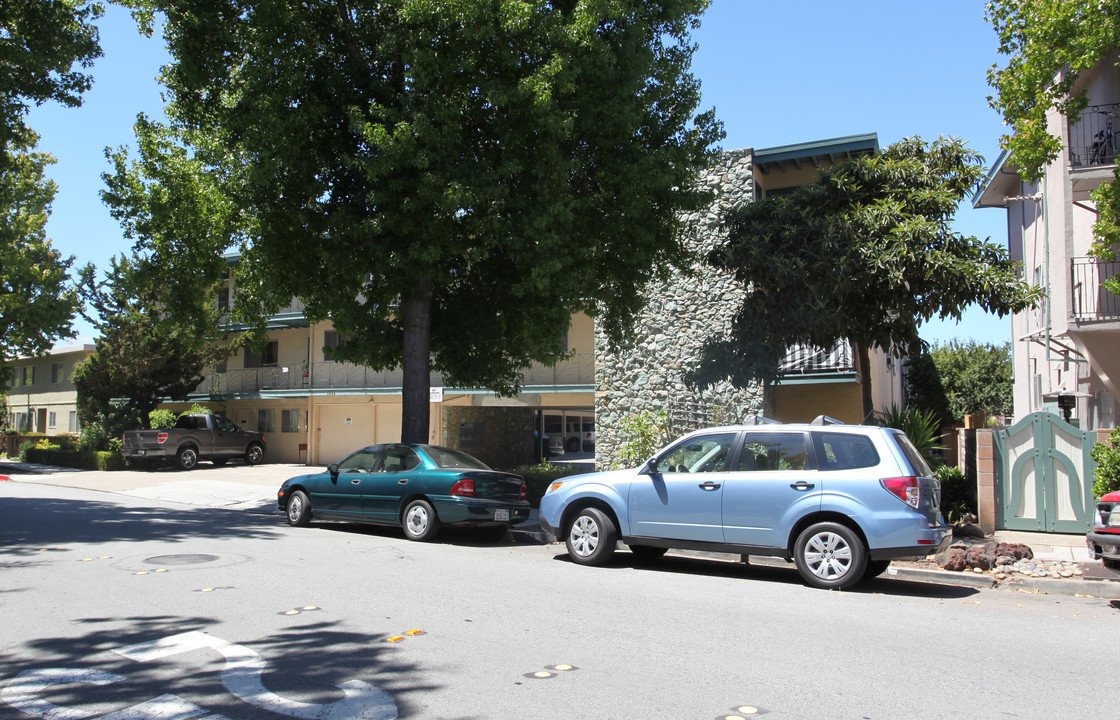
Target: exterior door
(341, 496)
(771, 475)
(683, 499)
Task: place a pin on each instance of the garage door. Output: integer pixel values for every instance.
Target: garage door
(345, 428)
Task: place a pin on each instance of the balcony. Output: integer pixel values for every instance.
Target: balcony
(326, 377)
(1091, 140)
(1089, 302)
(808, 360)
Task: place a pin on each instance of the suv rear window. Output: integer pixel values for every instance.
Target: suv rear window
(841, 451)
(917, 462)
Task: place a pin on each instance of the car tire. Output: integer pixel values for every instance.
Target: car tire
(875, 568)
(299, 509)
(186, 458)
(572, 445)
(420, 521)
(1110, 564)
(647, 553)
(830, 556)
(491, 533)
(591, 537)
(254, 454)
(218, 462)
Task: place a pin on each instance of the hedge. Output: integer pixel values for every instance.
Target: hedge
(539, 477)
(80, 459)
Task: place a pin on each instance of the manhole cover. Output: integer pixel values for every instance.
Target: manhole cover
(195, 559)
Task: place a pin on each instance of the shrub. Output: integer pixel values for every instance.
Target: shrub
(80, 459)
(162, 419)
(958, 496)
(93, 437)
(538, 477)
(24, 447)
(642, 436)
(922, 427)
(1106, 478)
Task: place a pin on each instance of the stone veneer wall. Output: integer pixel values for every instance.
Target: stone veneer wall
(681, 314)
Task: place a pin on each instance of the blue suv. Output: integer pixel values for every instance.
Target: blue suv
(840, 501)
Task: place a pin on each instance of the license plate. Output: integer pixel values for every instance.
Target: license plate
(138, 452)
(501, 515)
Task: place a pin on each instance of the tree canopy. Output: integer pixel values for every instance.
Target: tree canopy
(143, 353)
(866, 253)
(960, 378)
(1050, 45)
(446, 181)
(37, 302)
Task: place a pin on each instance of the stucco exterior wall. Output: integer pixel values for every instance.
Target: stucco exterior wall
(683, 312)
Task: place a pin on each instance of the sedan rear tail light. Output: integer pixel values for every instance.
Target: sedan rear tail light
(904, 488)
(523, 492)
(462, 488)
(161, 438)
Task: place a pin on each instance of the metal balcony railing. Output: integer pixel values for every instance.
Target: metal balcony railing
(1091, 139)
(1089, 301)
(805, 359)
(579, 369)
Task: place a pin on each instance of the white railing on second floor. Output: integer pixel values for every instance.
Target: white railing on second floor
(325, 376)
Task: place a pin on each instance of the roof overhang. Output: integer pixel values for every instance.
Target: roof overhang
(819, 153)
(1002, 182)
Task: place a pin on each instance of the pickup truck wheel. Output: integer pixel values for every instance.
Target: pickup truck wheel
(299, 509)
(254, 454)
(186, 458)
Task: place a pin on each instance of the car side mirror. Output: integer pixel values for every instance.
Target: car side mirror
(651, 467)
(333, 470)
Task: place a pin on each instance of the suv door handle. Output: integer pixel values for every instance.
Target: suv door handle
(802, 485)
(709, 486)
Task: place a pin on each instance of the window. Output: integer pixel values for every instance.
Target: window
(399, 459)
(330, 343)
(837, 451)
(362, 461)
(58, 371)
(27, 374)
(773, 451)
(266, 420)
(705, 453)
(72, 423)
(223, 300)
(52, 419)
(289, 421)
(267, 358)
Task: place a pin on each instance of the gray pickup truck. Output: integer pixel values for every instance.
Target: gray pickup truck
(194, 438)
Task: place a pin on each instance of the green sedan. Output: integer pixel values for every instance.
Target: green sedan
(419, 487)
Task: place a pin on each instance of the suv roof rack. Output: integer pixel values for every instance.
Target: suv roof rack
(760, 420)
(826, 420)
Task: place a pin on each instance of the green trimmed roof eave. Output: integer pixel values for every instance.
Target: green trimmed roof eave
(834, 149)
(1002, 182)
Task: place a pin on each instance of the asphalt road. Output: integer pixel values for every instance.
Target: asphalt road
(119, 607)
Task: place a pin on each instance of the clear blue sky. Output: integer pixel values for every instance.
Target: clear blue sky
(777, 74)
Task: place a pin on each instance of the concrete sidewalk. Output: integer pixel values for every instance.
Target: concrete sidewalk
(253, 488)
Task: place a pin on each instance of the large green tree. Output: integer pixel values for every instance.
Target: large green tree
(1050, 45)
(143, 354)
(45, 46)
(961, 378)
(866, 253)
(447, 180)
(37, 301)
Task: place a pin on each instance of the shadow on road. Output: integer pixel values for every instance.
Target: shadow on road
(774, 573)
(33, 523)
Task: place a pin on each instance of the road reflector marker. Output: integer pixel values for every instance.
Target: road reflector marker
(140, 572)
(564, 667)
(395, 639)
(161, 570)
(414, 633)
(207, 590)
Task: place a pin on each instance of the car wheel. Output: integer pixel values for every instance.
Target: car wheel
(592, 537)
(647, 553)
(491, 533)
(186, 458)
(829, 555)
(875, 568)
(573, 445)
(254, 454)
(420, 521)
(299, 509)
(218, 462)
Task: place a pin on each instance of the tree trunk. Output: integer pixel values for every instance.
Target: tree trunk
(863, 367)
(416, 315)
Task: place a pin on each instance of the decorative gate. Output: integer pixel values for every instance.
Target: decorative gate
(1044, 475)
